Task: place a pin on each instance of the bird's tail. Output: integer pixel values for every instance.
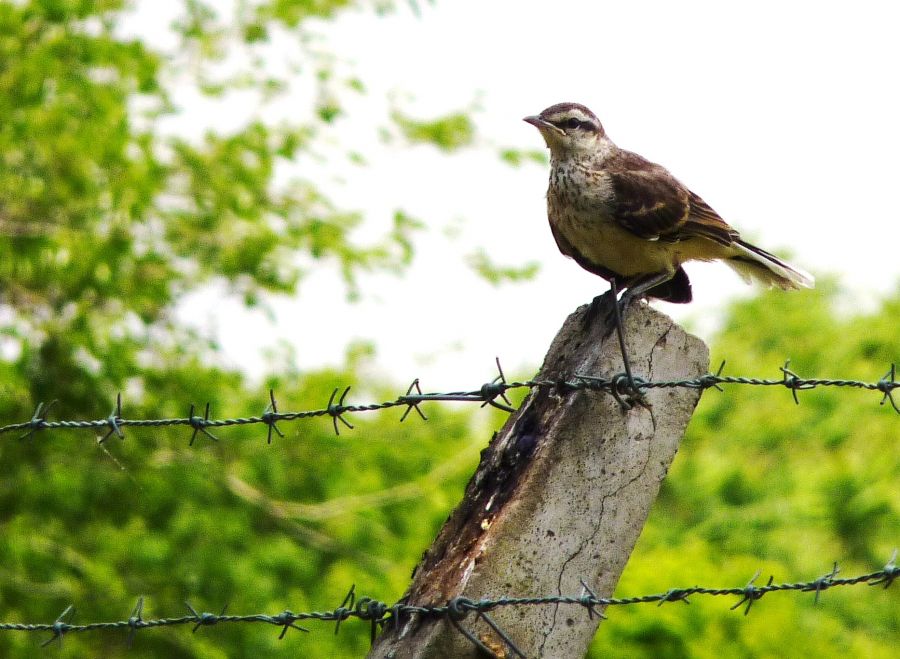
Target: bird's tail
(755, 264)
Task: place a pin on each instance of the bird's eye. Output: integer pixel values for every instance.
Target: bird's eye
(572, 123)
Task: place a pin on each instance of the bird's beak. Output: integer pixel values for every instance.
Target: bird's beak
(542, 125)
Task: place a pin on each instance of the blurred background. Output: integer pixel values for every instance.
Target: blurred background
(203, 200)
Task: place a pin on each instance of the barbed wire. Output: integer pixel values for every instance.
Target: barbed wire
(490, 393)
(378, 614)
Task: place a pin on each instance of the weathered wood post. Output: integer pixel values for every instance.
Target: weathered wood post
(560, 496)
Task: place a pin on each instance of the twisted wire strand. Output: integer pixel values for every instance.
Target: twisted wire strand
(379, 613)
(492, 393)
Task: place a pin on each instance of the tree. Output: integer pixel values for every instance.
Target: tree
(763, 484)
(107, 219)
(104, 212)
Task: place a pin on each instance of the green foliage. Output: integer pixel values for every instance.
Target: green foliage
(481, 263)
(448, 133)
(107, 220)
(763, 484)
(262, 528)
(293, 12)
(518, 157)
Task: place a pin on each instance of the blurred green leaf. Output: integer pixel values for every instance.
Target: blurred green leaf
(448, 133)
(517, 157)
(494, 274)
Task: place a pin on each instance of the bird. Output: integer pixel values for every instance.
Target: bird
(625, 218)
(631, 222)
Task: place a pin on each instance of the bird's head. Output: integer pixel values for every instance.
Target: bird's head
(568, 128)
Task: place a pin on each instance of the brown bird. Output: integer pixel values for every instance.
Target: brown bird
(627, 219)
(631, 222)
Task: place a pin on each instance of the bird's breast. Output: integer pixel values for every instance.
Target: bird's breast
(579, 208)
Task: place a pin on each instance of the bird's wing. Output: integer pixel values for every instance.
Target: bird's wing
(652, 204)
(704, 221)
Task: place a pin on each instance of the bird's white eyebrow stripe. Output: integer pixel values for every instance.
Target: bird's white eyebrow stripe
(574, 113)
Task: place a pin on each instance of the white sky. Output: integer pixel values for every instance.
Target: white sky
(783, 116)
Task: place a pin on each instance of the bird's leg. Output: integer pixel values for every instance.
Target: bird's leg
(634, 291)
(633, 392)
(639, 287)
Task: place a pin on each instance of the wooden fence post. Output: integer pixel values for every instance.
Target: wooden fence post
(560, 496)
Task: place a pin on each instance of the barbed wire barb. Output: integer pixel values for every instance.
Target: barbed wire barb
(415, 403)
(675, 595)
(60, 626)
(38, 420)
(270, 416)
(752, 593)
(711, 381)
(823, 582)
(199, 423)
(891, 571)
(590, 601)
(286, 619)
(497, 387)
(343, 611)
(113, 421)
(887, 384)
(337, 411)
(134, 621)
(205, 619)
(793, 381)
